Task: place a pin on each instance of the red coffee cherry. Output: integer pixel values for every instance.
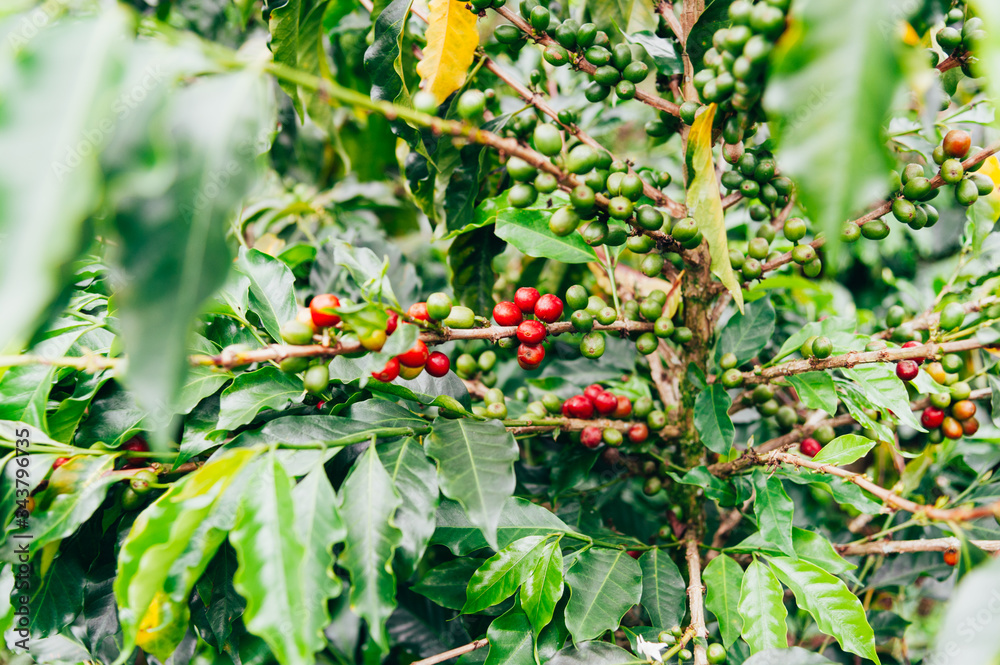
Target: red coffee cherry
(624, 407)
(388, 373)
(526, 297)
(531, 332)
(321, 308)
(592, 391)
(507, 313)
(951, 428)
(907, 370)
(392, 323)
(529, 356)
(951, 557)
(932, 417)
(957, 143)
(418, 312)
(438, 364)
(963, 409)
(549, 308)
(416, 356)
(970, 426)
(810, 447)
(580, 407)
(591, 436)
(605, 403)
(910, 345)
(635, 554)
(136, 444)
(638, 433)
(59, 462)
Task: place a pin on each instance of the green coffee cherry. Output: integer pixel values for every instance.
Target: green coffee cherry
(487, 360)
(316, 378)
(606, 316)
(294, 365)
(803, 254)
(663, 327)
(952, 316)
(592, 345)
(583, 199)
(595, 233)
(564, 221)
(822, 347)
(522, 195)
(728, 361)
(966, 192)
(520, 170)
(876, 229)
(640, 244)
(548, 139)
(546, 183)
(439, 306)
(646, 343)
(850, 232)
(581, 159)
(296, 332)
(651, 265)
(682, 335)
(466, 365)
(460, 317)
(732, 378)
(795, 229)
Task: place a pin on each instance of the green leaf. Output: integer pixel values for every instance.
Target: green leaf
(834, 76)
(994, 399)
(663, 589)
(502, 574)
(815, 390)
(415, 478)
(843, 492)
(446, 584)
(836, 610)
(762, 607)
(704, 202)
(296, 28)
(840, 330)
(169, 546)
(722, 578)
(57, 598)
(518, 518)
(711, 419)
(715, 488)
(265, 388)
(470, 258)
(511, 639)
(544, 586)
(883, 388)
(665, 56)
(792, 656)
(273, 566)
(272, 286)
(844, 450)
(604, 584)
(173, 251)
(746, 334)
(809, 546)
(595, 653)
(475, 461)
(53, 186)
(319, 528)
(714, 17)
(774, 511)
(370, 501)
(528, 230)
(384, 62)
(968, 632)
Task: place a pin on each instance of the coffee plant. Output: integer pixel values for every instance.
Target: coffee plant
(500, 332)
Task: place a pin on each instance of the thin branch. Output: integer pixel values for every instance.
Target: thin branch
(886, 547)
(930, 318)
(696, 601)
(726, 526)
(454, 653)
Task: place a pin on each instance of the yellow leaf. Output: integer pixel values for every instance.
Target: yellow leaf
(991, 169)
(909, 35)
(451, 43)
(704, 202)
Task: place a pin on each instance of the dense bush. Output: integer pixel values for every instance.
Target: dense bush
(587, 332)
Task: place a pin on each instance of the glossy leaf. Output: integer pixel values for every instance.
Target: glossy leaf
(844, 450)
(470, 258)
(774, 511)
(296, 28)
(451, 42)
(273, 566)
(319, 527)
(384, 62)
(446, 584)
(723, 578)
(836, 610)
(272, 295)
(544, 586)
(840, 330)
(475, 462)
(265, 388)
(528, 230)
(595, 653)
(792, 656)
(815, 390)
(170, 544)
(711, 419)
(883, 388)
(704, 202)
(518, 518)
(746, 334)
(502, 574)
(663, 589)
(511, 639)
(834, 76)
(370, 500)
(415, 478)
(762, 608)
(809, 546)
(604, 584)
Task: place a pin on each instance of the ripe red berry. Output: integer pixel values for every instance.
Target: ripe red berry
(624, 407)
(957, 143)
(970, 426)
(392, 323)
(932, 417)
(910, 345)
(418, 312)
(580, 407)
(438, 364)
(907, 370)
(810, 447)
(526, 297)
(951, 557)
(529, 356)
(638, 433)
(416, 356)
(507, 313)
(951, 428)
(605, 403)
(591, 436)
(388, 373)
(635, 554)
(592, 391)
(59, 462)
(963, 409)
(321, 308)
(531, 332)
(549, 308)
(136, 444)
(565, 409)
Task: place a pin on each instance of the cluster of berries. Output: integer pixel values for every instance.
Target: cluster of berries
(531, 332)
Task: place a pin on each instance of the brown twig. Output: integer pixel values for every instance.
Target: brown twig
(930, 318)
(696, 600)
(886, 547)
(454, 653)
